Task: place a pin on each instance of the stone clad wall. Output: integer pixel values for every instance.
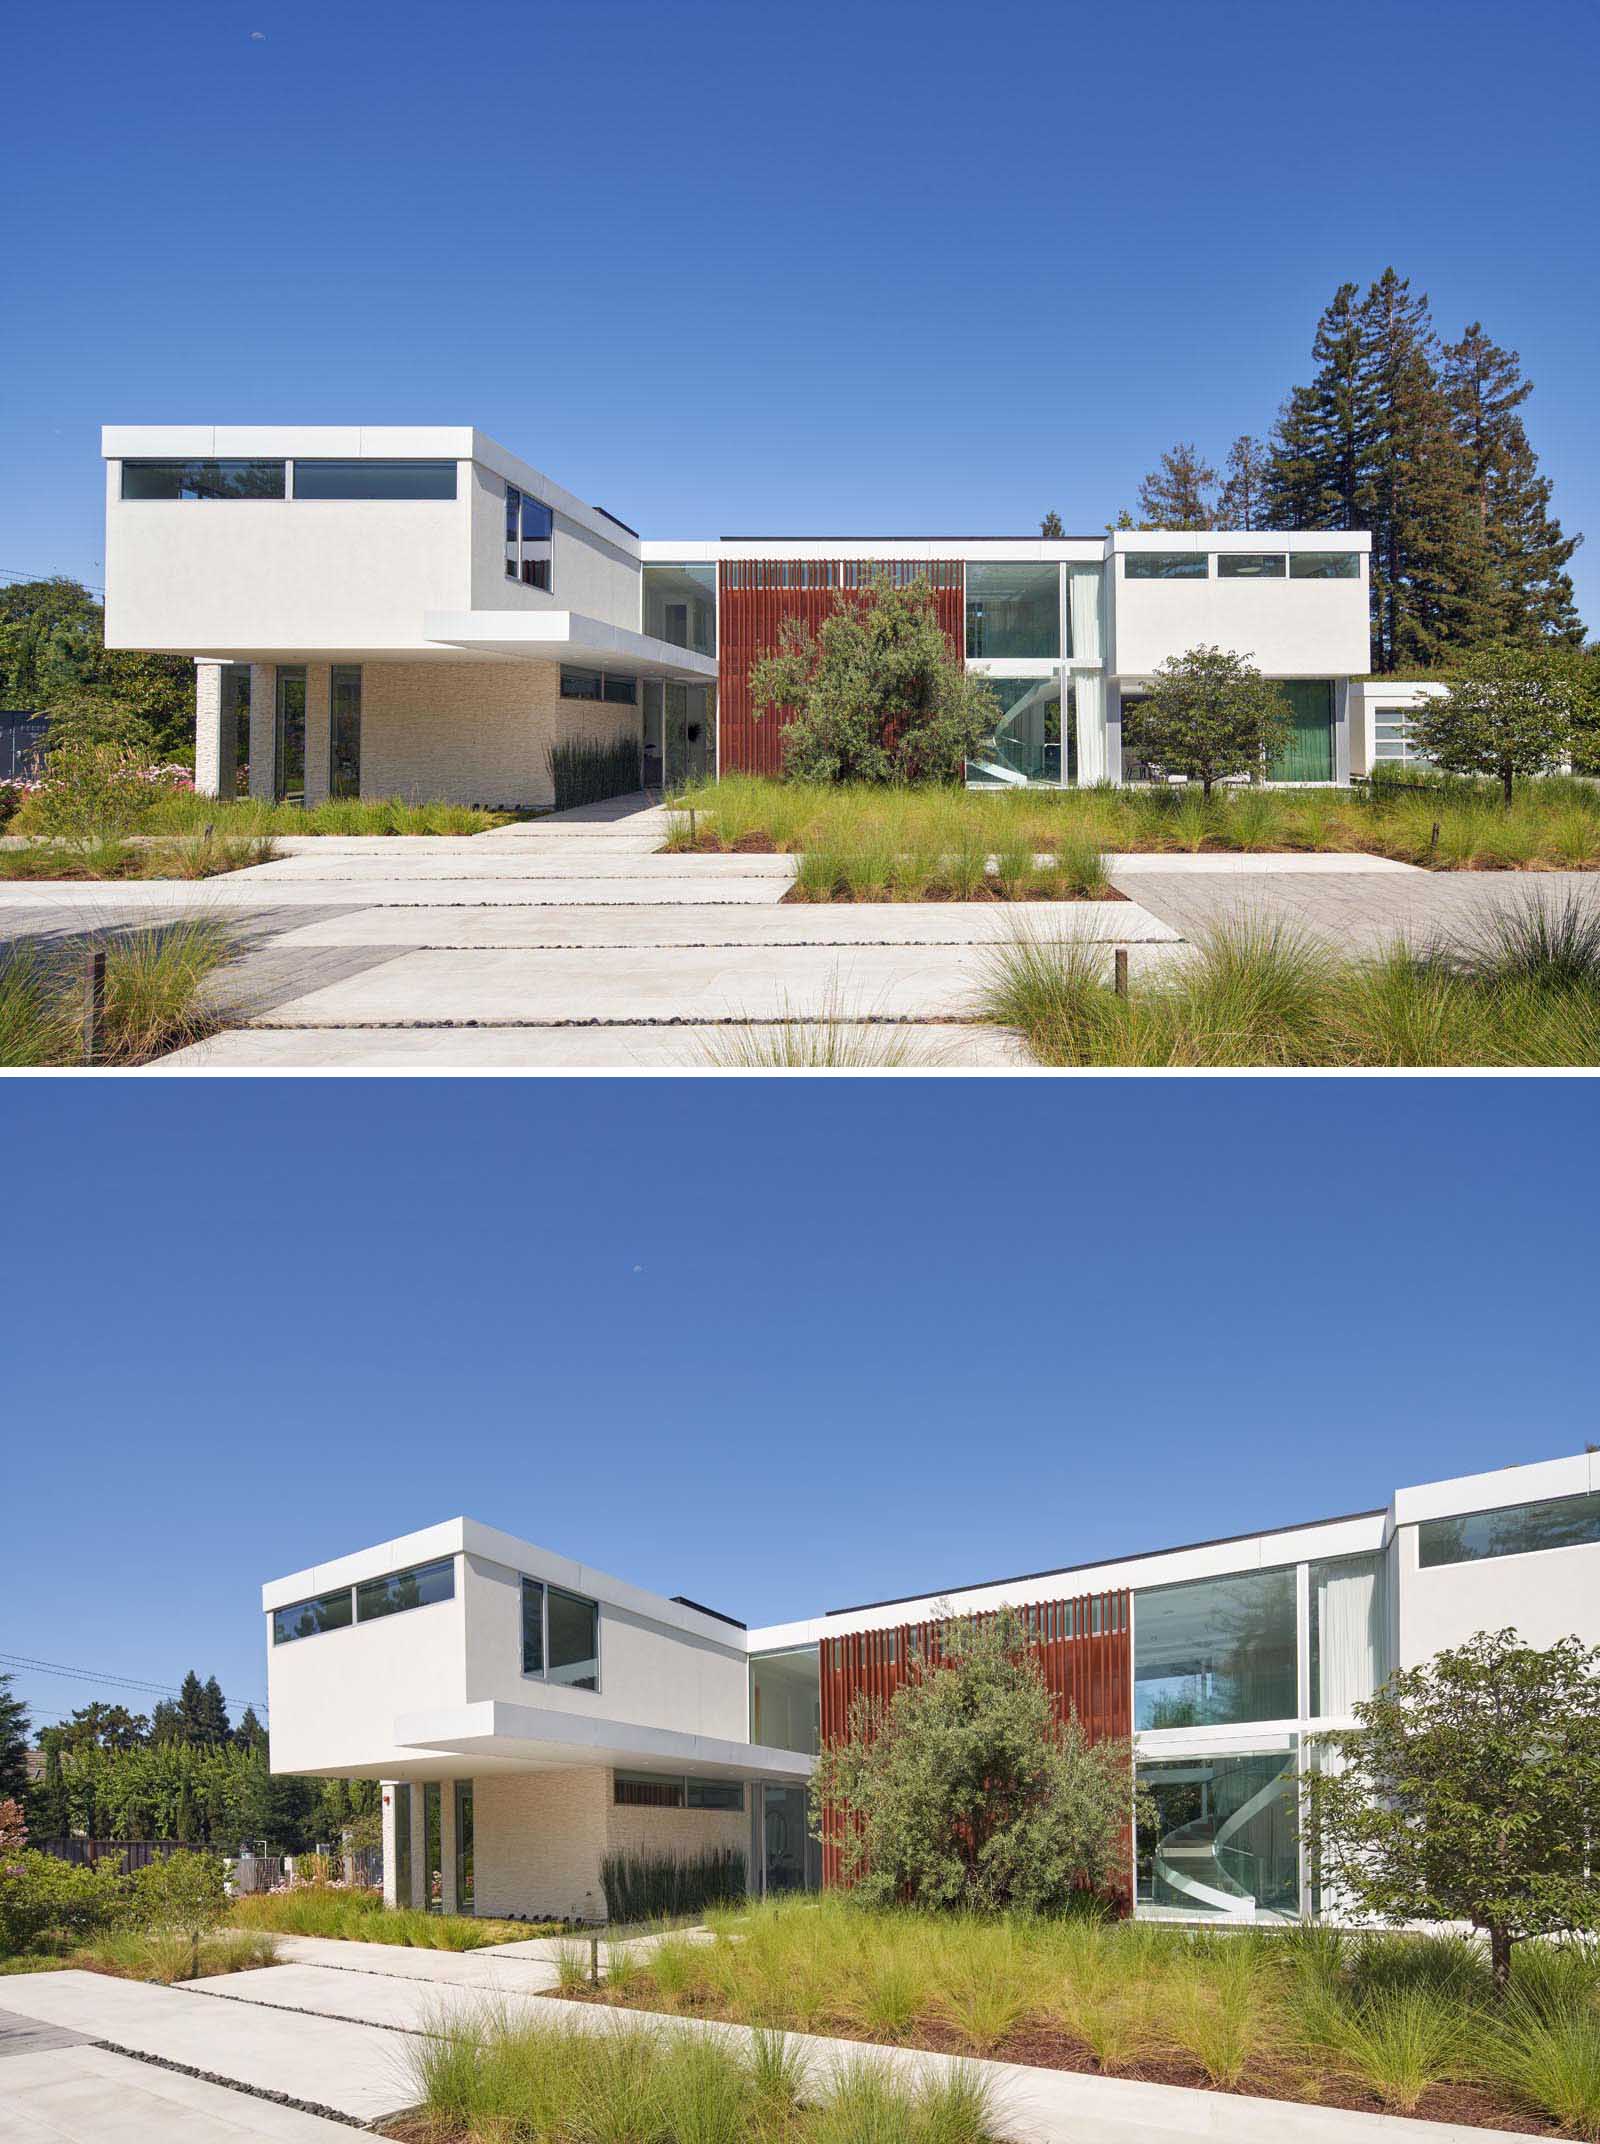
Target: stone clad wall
(473, 733)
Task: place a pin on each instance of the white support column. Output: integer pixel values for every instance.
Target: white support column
(447, 1844)
(212, 778)
(390, 1791)
(319, 694)
(264, 731)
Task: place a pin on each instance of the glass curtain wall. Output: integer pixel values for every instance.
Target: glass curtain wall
(1349, 1636)
(1026, 743)
(1013, 610)
(786, 1700)
(1216, 1652)
(680, 605)
(689, 741)
(1224, 1841)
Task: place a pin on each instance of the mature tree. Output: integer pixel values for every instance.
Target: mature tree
(15, 1741)
(250, 1734)
(1052, 524)
(1242, 502)
(218, 1727)
(1528, 551)
(878, 693)
(1507, 712)
(1319, 443)
(966, 1791)
(166, 1721)
(1209, 714)
(99, 1726)
(1177, 495)
(1467, 1792)
(53, 658)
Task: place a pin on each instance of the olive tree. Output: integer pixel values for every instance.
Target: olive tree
(965, 1790)
(1508, 712)
(1469, 1791)
(877, 693)
(1209, 714)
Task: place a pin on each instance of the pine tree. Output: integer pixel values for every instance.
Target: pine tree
(1431, 593)
(193, 1715)
(1177, 494)
(166, 1721)
(1242, 502)
(14, 1743)
(1528, 552)
(250, 1734)
(1052, 524)
(1320, 441)
(214, 1711)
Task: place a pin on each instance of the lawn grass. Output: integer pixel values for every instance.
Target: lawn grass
(155, 999)
(1522, 991)
(493, 2077)
(859, 843)
(1397, 2023)
(362, 1917)
(185, 812)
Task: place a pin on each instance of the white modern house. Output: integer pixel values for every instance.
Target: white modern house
(529, 1715)
(416, 611)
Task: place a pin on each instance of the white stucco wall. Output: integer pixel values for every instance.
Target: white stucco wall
(1287, 628)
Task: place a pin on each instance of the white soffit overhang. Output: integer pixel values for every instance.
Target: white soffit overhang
(536, 1740)
(565, 635)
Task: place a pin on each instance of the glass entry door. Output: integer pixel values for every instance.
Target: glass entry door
(654, 741)
(790, 1859)
(291, 737)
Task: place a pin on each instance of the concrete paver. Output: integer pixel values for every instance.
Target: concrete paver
(940, 1046)
(81, 2094)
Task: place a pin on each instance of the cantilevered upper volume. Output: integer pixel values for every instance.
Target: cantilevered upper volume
(414, 610)
(543, 1714)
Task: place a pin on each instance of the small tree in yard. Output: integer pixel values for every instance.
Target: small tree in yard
(877, 691)
(183, 1894)
(1470, 1791)
(1509, 712)
(965, 1791)
(1210, 714)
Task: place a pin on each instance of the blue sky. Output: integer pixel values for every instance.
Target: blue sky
(882, 269)
(779, 1347)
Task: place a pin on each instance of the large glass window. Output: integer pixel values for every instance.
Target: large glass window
(1250, 566)
(428, 1583)
(466, 1888)
(433, 1846)
(1349, 1632)
(1308, 754)
(1224, 1842)
(344, 731)
(1025, 745)
(1324, 565)
(374, 480)
(1217, 1651)
(1013, 610)
(1165, 566)
(1394, 735)
(680, 606)
(236, 725)
(786, 1700)
(402, 1842)
(290, 755)
(656, 1790)
(203, 480)
(1513, 1530)
(560, 1636)
(308, 1619)
(530, 539)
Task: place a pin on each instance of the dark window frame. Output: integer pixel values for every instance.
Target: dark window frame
(1166, 565)
(1436, 1533)
(1325, 565)
(319, 1601)
(437, 467)
(1252, 565)
(183, 462)
(446, 1564)
(543, 1670)
(525, 571)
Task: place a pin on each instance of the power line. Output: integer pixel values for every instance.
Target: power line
(20, 573)
(126, 1682)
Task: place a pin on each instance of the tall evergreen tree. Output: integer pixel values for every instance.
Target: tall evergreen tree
(166, 1721)
(250, 1734)
(1052, 524)
(1243, 501)
(214, 1712)
(15, 1739)
(193, 1712)
(1177, 495)
(1528, 551)
(1319, 443)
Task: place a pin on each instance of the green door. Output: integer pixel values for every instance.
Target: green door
(1308, 754)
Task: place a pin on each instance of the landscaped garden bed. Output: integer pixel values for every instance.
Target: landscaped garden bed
(156, 997)
(1383, 2023)
(879, 842)
(203, 855)
(354, 1916)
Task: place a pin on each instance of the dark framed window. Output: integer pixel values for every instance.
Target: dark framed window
(532, 1627)
(235, 682)
(344, 731)
(530, 539)
(572, 1640)
(1165, 566)
(1251, 566)
(621, 691)
(309, 1619)
(581, 684)
(364, 479)
(203, 480)
(1513, 1530)
(289, 772)
(656, 1790)
(1324, 565)
(419, 1588)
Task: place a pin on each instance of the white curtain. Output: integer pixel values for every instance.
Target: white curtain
(1089, 697)
(1084, 584)
(1351, 1604)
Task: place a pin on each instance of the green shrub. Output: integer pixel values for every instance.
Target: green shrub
(41, 1896)
(583, 770)
(661, 1887)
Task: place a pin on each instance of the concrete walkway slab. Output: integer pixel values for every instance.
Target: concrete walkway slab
(346, 2069)
(945, 1046)
(517, 1968)
(1181, 863)
(81, 2094)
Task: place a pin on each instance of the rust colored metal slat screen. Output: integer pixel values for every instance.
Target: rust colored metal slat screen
(755, 596)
